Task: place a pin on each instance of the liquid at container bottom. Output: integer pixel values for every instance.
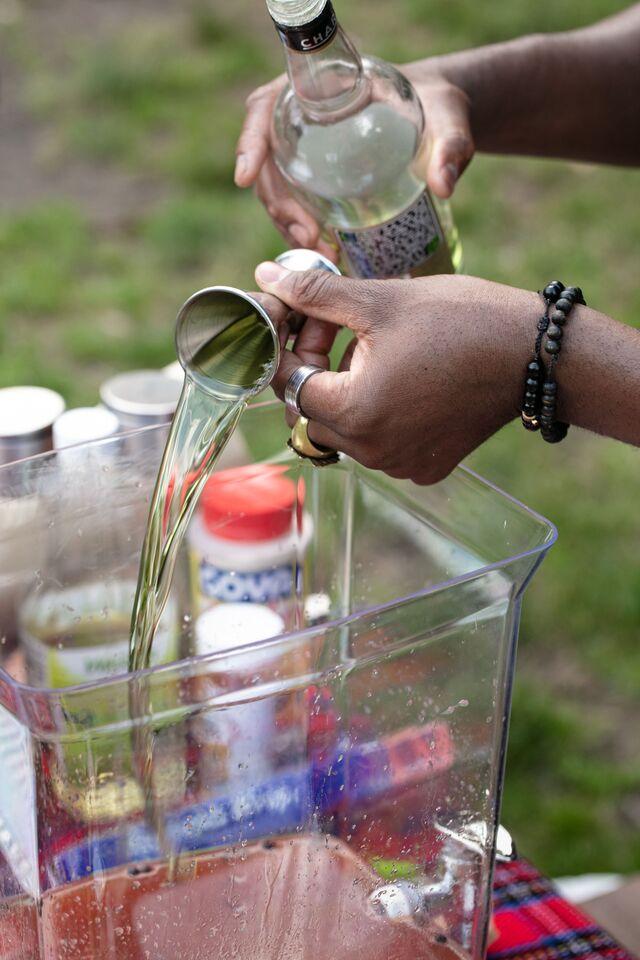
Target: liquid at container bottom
(294, 898)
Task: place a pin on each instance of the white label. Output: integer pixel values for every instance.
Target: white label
(257, 586)
(396, 247)
(18, 802)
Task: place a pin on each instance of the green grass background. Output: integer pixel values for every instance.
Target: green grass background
(158, 94)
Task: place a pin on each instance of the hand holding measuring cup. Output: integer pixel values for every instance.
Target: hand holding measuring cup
(230, 343)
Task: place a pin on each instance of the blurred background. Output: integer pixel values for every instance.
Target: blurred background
(118, 122)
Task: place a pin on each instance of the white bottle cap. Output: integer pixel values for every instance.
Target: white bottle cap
(293, 13)
(83, 424)
(140, 398)
(229, 626)
(26, 416)
(28, 410)
(317, 608)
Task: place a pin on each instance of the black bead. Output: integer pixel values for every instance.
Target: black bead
(534, 366)
(553, 290)
(558, 317)
(556, 433)
(554, 332)
(575, 293)
(552, 346)
(532, 382)
(564, 305)
(550, 387)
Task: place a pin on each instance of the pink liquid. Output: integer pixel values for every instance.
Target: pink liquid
(291, 899)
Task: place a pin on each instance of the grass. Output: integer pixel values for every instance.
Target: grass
(159, 96)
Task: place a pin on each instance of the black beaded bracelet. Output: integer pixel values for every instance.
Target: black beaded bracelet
(541, 389)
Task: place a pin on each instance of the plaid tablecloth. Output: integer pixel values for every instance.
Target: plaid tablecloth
(535, 923)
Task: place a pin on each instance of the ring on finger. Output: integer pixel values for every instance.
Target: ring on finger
(296, 382)
(304, 446)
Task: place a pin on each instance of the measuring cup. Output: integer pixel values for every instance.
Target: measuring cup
(226, 340)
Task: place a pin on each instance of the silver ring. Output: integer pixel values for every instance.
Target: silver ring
(296, 382)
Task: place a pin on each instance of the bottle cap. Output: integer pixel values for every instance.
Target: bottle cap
(26, 416)
(141, 397)
(231, 625)
(28, 410)
(255, 502)
(83, 424)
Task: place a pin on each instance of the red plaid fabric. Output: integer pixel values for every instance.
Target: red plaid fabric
(535, 923)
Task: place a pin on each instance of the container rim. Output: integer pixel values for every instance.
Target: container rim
(28, 691)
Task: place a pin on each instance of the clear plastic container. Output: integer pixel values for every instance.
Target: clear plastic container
(375, 833)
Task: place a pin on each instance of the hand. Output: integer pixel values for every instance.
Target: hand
(449, 150)
(255, 166)
(435, 368)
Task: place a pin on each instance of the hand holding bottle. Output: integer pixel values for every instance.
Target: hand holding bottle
(346, 133)
(448, 146)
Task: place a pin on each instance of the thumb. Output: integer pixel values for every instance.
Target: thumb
(323, 295)
(449, 133)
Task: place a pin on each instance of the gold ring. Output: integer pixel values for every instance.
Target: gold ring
(301, 443)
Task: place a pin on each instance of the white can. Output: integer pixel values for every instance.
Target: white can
(235, 738)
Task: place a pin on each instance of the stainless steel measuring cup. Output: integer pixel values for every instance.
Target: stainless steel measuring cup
(225, 339)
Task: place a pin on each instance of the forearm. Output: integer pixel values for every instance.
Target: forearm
(598, 370)
(598, 376)
(572, 95)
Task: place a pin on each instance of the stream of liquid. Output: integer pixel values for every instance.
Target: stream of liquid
(241, 355)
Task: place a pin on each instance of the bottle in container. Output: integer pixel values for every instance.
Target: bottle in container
(247, 541)
(235, 735)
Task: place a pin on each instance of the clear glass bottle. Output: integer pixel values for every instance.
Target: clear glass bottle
(348, 136)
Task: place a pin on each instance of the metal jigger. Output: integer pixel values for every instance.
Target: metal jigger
(225, 339)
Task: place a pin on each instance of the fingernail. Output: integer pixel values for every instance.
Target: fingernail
(270, 272)
(299, 234)
(241, 167)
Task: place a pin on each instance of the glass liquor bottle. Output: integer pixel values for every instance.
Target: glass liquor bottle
(348, 137)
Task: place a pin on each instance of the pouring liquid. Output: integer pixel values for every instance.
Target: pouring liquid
(241, 354)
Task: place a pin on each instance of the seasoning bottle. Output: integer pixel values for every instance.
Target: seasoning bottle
(247, 540)
(235, 734)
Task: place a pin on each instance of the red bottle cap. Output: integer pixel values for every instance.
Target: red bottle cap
(255, 502)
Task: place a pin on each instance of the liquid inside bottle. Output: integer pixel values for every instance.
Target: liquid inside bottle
(348, 134)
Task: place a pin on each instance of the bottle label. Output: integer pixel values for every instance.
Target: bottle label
(308, 37)
(50, 667)
(235, 586)
(397, 247)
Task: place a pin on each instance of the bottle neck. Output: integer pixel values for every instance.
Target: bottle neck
(325, 69)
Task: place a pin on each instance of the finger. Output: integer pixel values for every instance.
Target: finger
(314, 342)
(294, 222)
(449, 133)
(324, 296)
(253, 143)
(323, 396)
